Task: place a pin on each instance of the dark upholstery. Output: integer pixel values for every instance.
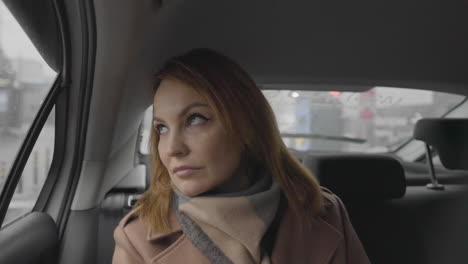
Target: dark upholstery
(449, 137)
(117, 203)
(359, 176)
(423, 227)
(114, 207)
(415, 226)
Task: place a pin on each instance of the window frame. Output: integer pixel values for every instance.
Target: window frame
(26, 148)
(56, 97)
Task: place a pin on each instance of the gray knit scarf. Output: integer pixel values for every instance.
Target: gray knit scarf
(228, 228)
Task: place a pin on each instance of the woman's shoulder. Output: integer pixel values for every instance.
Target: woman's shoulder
(130, 218)
(138, 240)
(329, 198)
(336, 215)
(128, 235)
(131, 230)
(331, 236)
(334, 211)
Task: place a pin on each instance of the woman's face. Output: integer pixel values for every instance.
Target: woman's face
(193, 146)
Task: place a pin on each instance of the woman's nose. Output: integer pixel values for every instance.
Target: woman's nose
(176, 146)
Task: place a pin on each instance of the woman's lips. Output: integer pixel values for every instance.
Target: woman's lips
(182, 173)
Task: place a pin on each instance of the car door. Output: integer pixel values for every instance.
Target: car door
(45, 64)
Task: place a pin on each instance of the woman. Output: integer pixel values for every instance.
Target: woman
(225, 189)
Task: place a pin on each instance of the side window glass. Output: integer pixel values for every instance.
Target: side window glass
(34, 173)
(25, 80)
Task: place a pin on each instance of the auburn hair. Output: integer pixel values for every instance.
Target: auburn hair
(246, 115)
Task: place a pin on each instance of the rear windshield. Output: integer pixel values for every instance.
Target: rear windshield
(378, 120)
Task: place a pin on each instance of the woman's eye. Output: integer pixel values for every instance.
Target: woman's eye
(161, 129)
(196, 119)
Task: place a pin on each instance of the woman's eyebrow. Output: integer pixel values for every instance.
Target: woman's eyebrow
(184, 111)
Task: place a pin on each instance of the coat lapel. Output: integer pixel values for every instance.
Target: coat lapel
(180, 251)
(293, 244)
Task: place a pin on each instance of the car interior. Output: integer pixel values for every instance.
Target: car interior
(408, 202)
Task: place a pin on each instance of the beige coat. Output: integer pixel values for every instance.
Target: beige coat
(332, 240)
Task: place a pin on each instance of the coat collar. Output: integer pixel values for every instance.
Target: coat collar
(293, 244)
(174, 228)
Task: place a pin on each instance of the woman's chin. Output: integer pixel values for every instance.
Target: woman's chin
(190, 190)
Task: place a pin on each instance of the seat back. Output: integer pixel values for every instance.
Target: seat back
(396, 223)
(117, 203)
(449, 136)
(359, 176)
(372, 187)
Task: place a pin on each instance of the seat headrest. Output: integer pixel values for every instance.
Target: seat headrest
(359, 176)
(449, 136)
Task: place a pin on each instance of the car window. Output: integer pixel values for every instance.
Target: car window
(380, 119)
(25, 80)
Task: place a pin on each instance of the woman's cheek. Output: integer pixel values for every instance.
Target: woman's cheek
(161, 152)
